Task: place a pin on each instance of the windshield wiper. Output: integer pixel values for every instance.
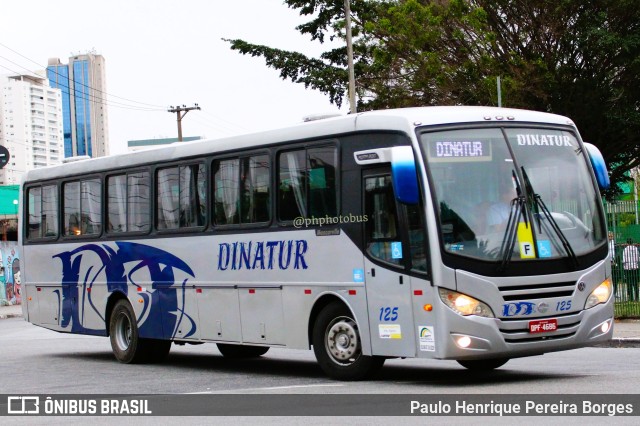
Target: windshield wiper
(517, 207)
(511, 232)
(542, 207)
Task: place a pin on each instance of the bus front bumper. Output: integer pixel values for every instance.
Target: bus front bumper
(472, 337)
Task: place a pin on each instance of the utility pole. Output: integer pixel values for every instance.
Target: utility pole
(181, 111)
(352, 79)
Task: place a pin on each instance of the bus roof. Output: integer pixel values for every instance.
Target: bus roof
(403, 120)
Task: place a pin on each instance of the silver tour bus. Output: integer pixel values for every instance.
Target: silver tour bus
(472, 234)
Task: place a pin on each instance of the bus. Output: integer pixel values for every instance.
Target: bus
(473, 234)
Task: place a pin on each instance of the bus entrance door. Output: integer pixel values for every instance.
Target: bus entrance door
(388, 287)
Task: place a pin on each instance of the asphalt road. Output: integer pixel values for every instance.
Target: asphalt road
(36, 360)
(40, 361)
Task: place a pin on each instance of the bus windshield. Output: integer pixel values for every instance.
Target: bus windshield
(513, 193)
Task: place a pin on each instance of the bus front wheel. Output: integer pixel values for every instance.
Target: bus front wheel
(483, 364)
(338, 346)
(126, 343)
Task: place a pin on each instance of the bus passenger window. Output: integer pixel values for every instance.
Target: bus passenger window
(193, 195)
(322, 181)
(254, 199)
(50, 210)
(117, 204)
(43, 212)
(71, 207)
(128, 203)
(82, 206)
(307, 183)
(242, 190)
(138, 188)
(227, 192)
(382, 238)
(91, 206)
(34, 198)
(292, 186)
(168, 191)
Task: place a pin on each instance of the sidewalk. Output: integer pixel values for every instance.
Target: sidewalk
(11, 311)
(626, 333)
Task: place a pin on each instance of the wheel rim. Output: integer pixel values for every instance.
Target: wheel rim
(342, 341)
(123, 332)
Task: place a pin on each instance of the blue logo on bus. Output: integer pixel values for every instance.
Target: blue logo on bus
(117, 267)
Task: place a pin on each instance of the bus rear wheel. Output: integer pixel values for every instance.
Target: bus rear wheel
(241, 351)
(483, 364)
(338, 346)
(126, 343)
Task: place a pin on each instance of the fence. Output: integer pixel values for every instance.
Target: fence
(623, 223)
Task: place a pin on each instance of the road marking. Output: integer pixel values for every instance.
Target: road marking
(266, 389)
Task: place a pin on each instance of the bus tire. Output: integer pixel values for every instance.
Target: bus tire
(241, 351)
(483, 364)
(338, 346)
(158, 350)
(126, 343)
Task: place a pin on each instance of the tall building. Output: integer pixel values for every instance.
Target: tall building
(30, 125)
(83, 86)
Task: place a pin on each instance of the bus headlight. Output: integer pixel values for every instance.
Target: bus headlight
(599, 295)
(464, 305)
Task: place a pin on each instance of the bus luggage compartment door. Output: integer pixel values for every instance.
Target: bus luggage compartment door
(262, 315)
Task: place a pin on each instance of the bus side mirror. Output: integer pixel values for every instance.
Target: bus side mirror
(404, 175)
(403, 170)
(599, 166)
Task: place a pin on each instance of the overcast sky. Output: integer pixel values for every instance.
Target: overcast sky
(160, 53)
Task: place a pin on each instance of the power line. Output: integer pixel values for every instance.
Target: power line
(89, 87)
(97, 99)
(85, 96)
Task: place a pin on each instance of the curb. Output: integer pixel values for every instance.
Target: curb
(621, 342)
(6, 316)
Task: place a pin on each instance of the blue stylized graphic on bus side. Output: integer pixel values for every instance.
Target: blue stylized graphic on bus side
(160, 265)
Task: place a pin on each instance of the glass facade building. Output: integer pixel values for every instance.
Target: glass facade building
(58, 76)
(82, 83)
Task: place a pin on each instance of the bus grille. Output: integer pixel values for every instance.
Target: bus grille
(518, 332)
(537, 291)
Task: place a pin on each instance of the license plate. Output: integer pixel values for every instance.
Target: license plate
(543, 326)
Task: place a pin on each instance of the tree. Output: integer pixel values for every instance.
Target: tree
(571, 57)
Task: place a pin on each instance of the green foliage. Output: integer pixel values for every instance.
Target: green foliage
(571, 57)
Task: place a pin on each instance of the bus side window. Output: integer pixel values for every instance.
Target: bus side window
(307, 183)
(417, 243)
(292, 185)
(50, 210)
(71, 208)
(241, 190)
(35, 211)
(322, 162)
(382, 238)
(128, 202)
(168, 193)
(138, 202)
(117, 204)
